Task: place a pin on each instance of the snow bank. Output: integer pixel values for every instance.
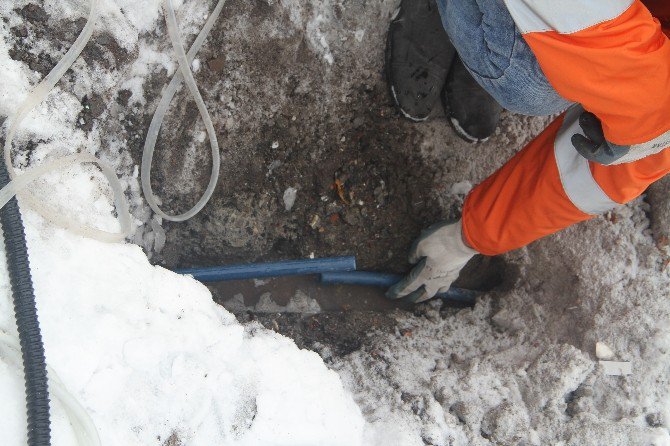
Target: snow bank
(150, 355)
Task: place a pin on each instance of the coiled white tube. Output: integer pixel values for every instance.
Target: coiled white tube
(19, 182)
(84, 428)
(82, 424)
(186, 75)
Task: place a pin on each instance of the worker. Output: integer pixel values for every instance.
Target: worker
(604, 65)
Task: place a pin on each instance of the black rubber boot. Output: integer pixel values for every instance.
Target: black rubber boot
(472, 112)
(418, 57)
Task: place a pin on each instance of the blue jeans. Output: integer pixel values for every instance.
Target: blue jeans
(493, 50)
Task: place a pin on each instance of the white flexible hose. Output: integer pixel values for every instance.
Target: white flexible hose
(39, 93)
(19, 182)
(81, 422)
(184, 74)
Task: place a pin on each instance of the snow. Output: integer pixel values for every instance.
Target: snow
(603, 351)
(520, 367)
(149, 354)
(299, 303)
(461, 188)
(151, 357)
(616, 368)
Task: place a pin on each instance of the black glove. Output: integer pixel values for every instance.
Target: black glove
(594, 146)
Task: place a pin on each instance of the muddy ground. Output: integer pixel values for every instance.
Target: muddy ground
(299, 100)
(287, 118)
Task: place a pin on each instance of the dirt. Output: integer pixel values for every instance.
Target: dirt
(287, 119)
(367, 179)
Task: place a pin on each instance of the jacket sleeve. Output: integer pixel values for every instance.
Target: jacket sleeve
(611, 57)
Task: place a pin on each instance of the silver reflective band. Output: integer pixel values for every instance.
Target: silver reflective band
(643, 150)
(578, 183)
(563, 16)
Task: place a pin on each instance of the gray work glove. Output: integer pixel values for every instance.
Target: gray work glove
(592, 145)
(441, 254)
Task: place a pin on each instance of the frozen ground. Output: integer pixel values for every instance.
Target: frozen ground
(518, 368)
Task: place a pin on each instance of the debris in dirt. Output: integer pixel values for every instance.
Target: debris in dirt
(617, 368)
(506, 320)
(381, 193)
(290, 195)
(352, 216)
(158, 233)
(341, 192)
(275, 144)
(506, 423)
(34, 13)
(299, 303)
(315, 222)
(611, 217)
(236, 303)
(556, 380)
(273, 165)
(217, 63)
(655, 419)
(603, 351)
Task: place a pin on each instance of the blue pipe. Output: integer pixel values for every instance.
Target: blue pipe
(386, 280)
(271, 269)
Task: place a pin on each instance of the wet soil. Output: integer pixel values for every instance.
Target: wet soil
(293, 120)
(286, 118)
(289, 112)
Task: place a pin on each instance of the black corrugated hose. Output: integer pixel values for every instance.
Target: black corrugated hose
(32, 349)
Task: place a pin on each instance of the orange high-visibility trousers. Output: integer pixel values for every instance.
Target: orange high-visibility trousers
(547, 187)
(613, 59)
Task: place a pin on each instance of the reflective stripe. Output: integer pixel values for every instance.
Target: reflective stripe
(639, 151)
(563, 16)
(578, 183)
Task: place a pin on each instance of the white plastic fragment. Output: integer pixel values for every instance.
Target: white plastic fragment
(603, 351)
(289, 197)
(617, 368)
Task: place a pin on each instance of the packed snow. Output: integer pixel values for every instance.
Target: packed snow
(153, 360)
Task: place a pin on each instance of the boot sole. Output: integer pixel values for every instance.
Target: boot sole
(456, 126)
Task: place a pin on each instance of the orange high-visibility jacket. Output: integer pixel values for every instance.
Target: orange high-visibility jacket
(612, 58)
